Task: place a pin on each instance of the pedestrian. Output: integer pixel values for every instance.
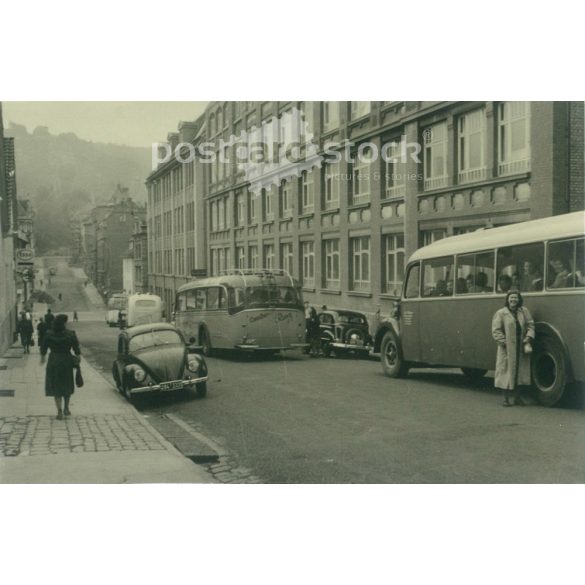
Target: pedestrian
(60, 297)
(75, 316)
(314, 334)
(41, 330)
(26, 330)
(513, 330)
(85, 283)
(59, 375)
(49, 318)
(41, 282)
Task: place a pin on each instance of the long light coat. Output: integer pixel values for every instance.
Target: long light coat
(512, 364)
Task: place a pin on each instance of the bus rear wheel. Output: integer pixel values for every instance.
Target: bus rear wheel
(474, 374)
(549, 371)
(205, 343)
(393, 362)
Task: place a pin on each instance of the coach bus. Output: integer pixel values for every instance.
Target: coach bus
(253, 310)
(116, 303)
(454, 286)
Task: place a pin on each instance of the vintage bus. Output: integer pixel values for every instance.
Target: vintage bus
(116, 303)
(454, 286)
(143, 308)
(253, 310)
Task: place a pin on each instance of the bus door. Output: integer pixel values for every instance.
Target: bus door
(438, 315)
(410, 307)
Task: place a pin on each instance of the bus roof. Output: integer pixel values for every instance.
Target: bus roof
(549, 228)
(241, 278)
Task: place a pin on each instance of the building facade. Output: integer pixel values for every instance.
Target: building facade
(139, 247)
(345, 228)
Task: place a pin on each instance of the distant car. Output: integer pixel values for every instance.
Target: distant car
(154, 358)
(344, 332)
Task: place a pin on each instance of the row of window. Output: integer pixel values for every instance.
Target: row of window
(172, 183)
(514, 267)
(359, 263)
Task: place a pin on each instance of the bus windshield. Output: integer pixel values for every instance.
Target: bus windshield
(263, 296)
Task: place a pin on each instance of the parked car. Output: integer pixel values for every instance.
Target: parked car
(344, 332)
(154, 358)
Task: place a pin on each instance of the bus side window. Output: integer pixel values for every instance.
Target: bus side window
(213, 298)
(412, 282)
(565, 264)
(190, 300)
(200, 299)
(475, 273)
(181, 303)
(438, 277)
(521, 267)
(222, 299)
(580, 263)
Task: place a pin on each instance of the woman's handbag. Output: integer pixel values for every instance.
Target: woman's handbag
(78, 377)
(32, 342)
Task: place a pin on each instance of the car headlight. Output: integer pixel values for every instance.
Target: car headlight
(139, 375)
(355, 338)
(193, 364)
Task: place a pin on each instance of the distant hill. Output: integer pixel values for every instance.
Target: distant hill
(63, 175)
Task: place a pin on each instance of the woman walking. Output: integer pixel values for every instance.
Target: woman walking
(26, 330)
(59, 375)
(513, 330)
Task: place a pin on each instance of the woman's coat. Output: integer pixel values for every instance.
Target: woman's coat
(511, 359)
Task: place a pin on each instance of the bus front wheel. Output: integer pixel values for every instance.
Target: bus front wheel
(393, 362)
(205, 343)
(549, 371)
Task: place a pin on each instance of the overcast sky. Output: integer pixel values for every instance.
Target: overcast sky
(130, 123)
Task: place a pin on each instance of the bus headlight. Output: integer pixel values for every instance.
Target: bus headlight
(139, 375)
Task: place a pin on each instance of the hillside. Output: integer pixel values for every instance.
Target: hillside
(63, 174)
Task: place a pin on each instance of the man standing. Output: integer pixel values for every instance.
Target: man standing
(25, 328)
(49, 318)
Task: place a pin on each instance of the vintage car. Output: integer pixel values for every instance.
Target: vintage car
(154, 358)
(344, 332)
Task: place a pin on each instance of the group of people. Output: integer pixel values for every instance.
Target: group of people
(53, 335)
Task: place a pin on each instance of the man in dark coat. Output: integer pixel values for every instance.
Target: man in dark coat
(41, 330)
(26, 329)
(49, 318)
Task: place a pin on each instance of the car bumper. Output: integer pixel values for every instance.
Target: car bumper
(180, 385)
(350, 346)
(253, 347)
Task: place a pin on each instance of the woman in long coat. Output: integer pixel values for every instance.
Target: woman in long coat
(513, 330)
(59, 375)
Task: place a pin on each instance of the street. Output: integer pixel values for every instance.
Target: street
(295, 419)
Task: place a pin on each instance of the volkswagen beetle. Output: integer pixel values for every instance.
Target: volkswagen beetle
(154, 358)
(344, 332)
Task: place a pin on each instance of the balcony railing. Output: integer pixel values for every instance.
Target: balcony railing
(395, 191)
(514, 166)
(472, 175)
(436, 183)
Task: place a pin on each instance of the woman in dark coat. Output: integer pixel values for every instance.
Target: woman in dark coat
(513, 330)
(314, 333)
(59, 375)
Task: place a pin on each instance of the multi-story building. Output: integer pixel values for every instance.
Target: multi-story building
(345, 228)
(176, 218)
(139, 247)
(8, 225)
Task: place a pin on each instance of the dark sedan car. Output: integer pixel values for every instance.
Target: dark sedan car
(154, 358)
(344, 332)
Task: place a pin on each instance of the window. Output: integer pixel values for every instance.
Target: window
(216, 298)
(200, 299)
(430, 236)
(435, 156)
(286, 257)
(268, 256)
(240, 209)
(330, 115)
(360, 176)
(438, 277)
(285, 199)
(252, 201)
(360, 252)
(520, 267)
(332, 280)
(475, 273)
(393, 267)
(359, 109)
(268, 208)
(240, 257)
(395, 169)
(308, 260)
(471, 146)
(331, 184)
(513, 137)
(253, 255)
(412, 283)
(566, 264)
(307, 108)
(307, 195)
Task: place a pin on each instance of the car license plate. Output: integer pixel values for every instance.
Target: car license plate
(166, 386)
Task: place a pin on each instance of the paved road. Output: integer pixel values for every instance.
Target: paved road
(303, 420)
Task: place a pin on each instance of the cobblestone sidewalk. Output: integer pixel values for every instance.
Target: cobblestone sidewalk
(44, 435)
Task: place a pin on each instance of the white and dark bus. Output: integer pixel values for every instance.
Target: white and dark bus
(454, 286)
(252, 310)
